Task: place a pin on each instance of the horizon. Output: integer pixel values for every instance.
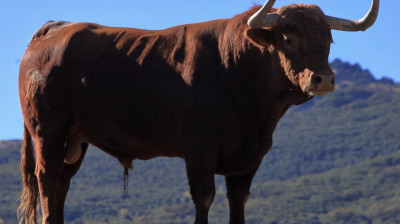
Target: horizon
(374, 50)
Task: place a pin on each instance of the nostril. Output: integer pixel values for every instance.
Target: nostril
(318, 79)
(333, 81)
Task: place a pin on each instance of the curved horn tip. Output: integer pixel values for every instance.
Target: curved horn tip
(356, 25)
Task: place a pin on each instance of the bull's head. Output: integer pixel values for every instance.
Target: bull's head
(301, 37)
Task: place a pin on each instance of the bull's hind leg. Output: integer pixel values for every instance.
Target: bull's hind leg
(50, 162)
(238, 191)
(68, 171)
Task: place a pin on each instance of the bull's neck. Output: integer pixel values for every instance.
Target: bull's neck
(258, 70)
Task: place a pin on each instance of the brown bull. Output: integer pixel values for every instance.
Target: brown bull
(211, 93)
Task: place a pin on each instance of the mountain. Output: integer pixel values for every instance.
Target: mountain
(359, 121)
(335, 159)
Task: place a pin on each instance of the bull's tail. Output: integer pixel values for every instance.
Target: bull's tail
(28, 207)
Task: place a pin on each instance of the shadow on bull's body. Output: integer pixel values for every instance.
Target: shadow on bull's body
(211, 93)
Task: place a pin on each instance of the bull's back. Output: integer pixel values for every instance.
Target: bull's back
(84, 55)
(115, 83)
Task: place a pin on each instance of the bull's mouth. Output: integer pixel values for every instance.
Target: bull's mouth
(315, 90)
(318, 92)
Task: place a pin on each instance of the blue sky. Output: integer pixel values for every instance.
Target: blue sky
(377, 49)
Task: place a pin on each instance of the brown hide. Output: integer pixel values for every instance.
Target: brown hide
(210, 93)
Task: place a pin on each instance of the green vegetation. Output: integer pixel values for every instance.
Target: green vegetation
(335, 159)
(359, 121)
(9, 180)
(363, 193)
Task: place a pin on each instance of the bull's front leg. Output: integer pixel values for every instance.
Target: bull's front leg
(203, 195)
(238, 191)
(200, 166)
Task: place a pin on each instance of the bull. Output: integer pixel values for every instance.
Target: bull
(211, 93)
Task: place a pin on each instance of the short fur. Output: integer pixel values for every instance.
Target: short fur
(211, 93)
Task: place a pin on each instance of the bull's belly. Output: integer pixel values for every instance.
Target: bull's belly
(130, 122)
(124, 142)
(137, 137)
(147, 131)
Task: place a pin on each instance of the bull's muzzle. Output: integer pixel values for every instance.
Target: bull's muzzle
(321, 83)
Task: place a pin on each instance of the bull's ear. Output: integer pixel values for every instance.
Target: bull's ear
(260, 37)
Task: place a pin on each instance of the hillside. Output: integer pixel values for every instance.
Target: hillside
(359, 121)
(363, 193)
(335, 159)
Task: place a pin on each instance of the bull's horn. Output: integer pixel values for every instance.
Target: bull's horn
(355, 25)
(263, 18)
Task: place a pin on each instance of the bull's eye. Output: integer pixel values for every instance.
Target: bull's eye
(289, 42)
